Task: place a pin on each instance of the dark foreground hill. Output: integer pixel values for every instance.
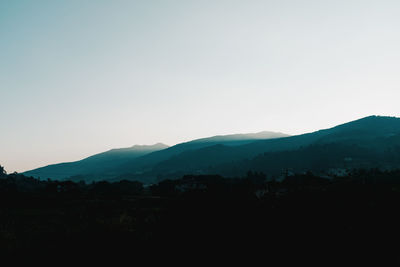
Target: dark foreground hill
(349, 220)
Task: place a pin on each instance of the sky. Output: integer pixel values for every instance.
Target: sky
(81, 77)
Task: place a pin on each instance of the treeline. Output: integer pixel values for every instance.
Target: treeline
(305, 217)
(255, 184)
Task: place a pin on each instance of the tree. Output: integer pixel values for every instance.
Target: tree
(3, 172)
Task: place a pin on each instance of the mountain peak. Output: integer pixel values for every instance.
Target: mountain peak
(372, 123)
(241, 137)
(145, 147)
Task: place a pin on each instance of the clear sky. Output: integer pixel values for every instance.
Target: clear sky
(80, 77)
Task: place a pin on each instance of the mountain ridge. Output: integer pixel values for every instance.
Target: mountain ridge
(93, 162)
(359, 132)
(237, 154)
(110, 171)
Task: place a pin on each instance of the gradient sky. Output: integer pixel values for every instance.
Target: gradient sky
(80, 77)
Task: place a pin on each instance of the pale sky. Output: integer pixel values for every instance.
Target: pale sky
(81, 77)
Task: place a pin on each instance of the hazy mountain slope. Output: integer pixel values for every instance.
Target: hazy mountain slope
(99, 164)
(137, 159)
(373, 134)
(363, 129)
(238, 139)
(371, 141)
(146, 163)
(382, 152)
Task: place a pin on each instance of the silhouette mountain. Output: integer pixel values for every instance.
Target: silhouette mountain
(237, 139)
(97, 165)
(145, 163)
(122, 163)
(371, 142)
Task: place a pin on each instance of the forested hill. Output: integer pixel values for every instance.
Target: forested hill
(371, 142)
(98, 165)
(125, 163)
(304, 218)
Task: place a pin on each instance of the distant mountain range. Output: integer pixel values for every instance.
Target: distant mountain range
(119, 163)
(95, 165)
(371, 142)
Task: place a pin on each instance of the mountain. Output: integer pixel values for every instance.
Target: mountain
(366, 143)
(127, 162)
(237, 139)
(96, 165)
(371, 142)
(147, 162)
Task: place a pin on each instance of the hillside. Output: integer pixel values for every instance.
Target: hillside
(371, 142)
(366, 143)
(127, 163)
(96, 165)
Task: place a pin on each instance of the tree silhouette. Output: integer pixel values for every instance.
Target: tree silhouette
(3, 172)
